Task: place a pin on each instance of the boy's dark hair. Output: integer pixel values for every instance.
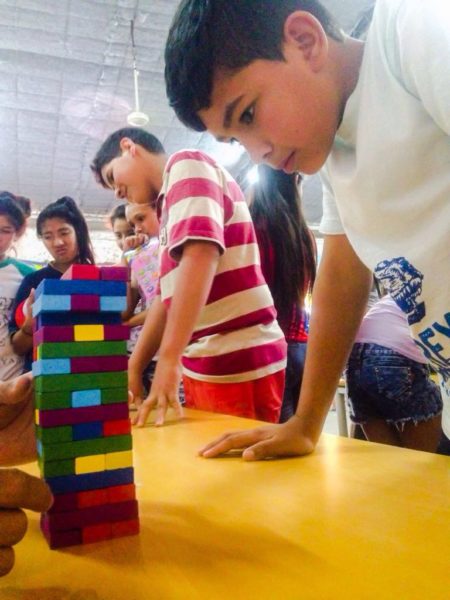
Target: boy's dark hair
(66, 209)
(276, 212)
(10, 209)
(111, 148)
(118, 213)
(207, 35)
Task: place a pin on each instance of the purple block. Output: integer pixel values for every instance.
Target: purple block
(97, 364)
(114, 273)
(87, 414)
(105, 513)
(84, 302)
(116, 332)
(54, 333)
(60, 539)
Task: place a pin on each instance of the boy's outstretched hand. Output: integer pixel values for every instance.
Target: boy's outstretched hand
(269, 441)
(163, 394)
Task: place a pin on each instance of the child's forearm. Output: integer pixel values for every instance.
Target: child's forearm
(150, 337)
(22, 341)
(195, 275)
(137, 319)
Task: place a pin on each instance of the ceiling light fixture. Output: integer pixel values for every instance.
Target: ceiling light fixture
(137, 118)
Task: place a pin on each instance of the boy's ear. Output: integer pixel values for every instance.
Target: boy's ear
(304, 33)
(127, 145)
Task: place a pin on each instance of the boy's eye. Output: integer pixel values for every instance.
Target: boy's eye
(246, 117)
(233, 140)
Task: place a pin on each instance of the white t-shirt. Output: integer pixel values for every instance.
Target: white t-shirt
(11, 274)
(389, 170)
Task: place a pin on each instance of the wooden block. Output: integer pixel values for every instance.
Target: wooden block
(65, 502)
(71, 349)
(87, 431)
(84, 302)
(53, 333)
(117, 427)
(91, 464)
(59, 539)
(113, 303)
(84, 517)
(64, 287)
(94, 498)
(87, 333)
(82, 272)
(51, 302)
(121, 493)
(81, 381)
(73, 318)
(114, 273)
(51, 366)
(86, 414)
(124, 528)
(54, 435)
(84, 398)
(96, 533)
(51, 400)
(115, 395)
(118, 460)
(90, 481)
(103, 445)
(116, 332)
(97, 364)
(56, 468)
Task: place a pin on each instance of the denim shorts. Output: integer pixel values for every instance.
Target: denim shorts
(382, 384)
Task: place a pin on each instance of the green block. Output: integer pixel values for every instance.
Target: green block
(56, 468)
(80, 381)
(114, 443)
(54, 435)
(70, 349)
(51, 400)
(115, 395)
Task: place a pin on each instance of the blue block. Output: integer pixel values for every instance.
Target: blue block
(39, 447)
(50, 303)
(51, 366)
(112, 303)
(75, 318)
(90, 481)
(87, 431)
(81, 286)
(86, 398)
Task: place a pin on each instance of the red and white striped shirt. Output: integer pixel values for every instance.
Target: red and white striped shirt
(237, 337)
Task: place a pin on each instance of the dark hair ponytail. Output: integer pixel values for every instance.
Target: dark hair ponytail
(66, 209)
(11, 209)
(275, 210)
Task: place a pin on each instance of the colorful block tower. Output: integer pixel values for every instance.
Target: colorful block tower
(82, 424)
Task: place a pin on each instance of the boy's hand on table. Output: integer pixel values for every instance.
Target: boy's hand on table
(270, 441)
(18, 490)
(163, 394)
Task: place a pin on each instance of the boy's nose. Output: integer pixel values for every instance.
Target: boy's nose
(259, 150)
(120, 193)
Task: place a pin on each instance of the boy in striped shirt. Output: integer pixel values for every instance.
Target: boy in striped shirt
(214, 310)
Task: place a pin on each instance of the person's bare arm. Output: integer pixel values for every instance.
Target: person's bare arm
(339, 301)
(22, 339)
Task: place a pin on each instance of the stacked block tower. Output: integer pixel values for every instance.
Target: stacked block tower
(82, 424)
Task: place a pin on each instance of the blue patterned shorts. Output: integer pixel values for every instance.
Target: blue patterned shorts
(382, 384)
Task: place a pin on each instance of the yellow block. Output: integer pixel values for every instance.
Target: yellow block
(88, 333)
(89, 464)
(38, 352)
(118, 460)
(36, 416)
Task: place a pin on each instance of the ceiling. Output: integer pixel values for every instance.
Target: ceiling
(66, 82)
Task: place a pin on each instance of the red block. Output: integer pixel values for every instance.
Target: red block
(85, 414)
(64, 502)
(121, 493)
(85, 302)
(118, 427)
(54, 333)
(92, 498)
(114, 273)
(123, 528)
(82, 272)
(116, 332)
(84, 517)
(97, 533)
(59, 539)
(98, 364)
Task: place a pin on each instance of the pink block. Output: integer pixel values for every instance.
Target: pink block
(87, 414)
(114, 273)
(98, 364)
(82, 272)
(53, 333)
(85, 302)
(116, 332)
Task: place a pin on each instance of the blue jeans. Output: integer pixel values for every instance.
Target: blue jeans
(383, 384)
(296, 352)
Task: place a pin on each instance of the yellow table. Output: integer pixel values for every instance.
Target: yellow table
(355, 521)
